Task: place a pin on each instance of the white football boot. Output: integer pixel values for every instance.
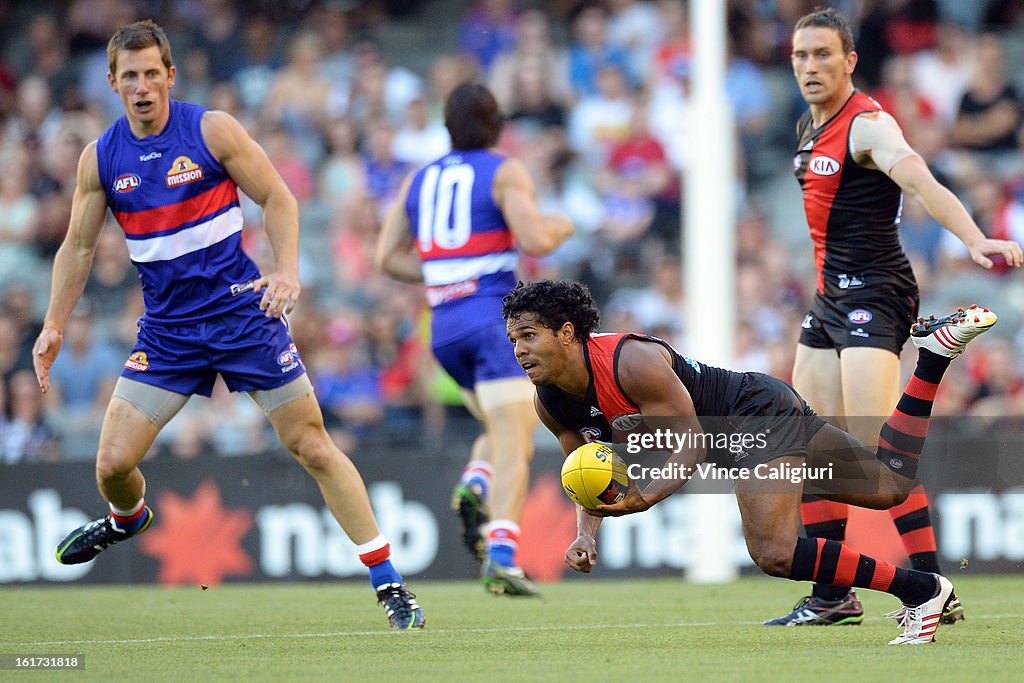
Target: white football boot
(919, 622)
(948, 336)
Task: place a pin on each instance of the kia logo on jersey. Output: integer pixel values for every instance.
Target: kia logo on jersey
(126, 183)
(860, 316)
(823, 165)
(627, 423)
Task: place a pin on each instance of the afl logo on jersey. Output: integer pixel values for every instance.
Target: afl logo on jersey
(288, 359)
(126, 182)
(823, 165)
(859, 316)
(183, 171)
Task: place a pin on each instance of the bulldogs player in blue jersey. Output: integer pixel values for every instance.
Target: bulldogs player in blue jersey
(170, 173)
(457, 226)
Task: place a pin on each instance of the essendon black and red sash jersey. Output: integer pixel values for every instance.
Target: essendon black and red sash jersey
(853, 212)
(607, 413)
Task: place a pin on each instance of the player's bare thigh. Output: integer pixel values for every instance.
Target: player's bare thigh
(855, 476)
(507, 408)
(871, 387)
(494, 394)
(136, 414)
(508, 394)
(817, 378)
(125, 437)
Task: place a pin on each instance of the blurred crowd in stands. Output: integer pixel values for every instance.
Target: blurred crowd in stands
(346, 97)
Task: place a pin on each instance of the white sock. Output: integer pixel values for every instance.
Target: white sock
(127, 513)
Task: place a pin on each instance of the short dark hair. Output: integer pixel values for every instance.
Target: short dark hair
(472, 117)
(832, 18)
(554, 304)
(139, 36)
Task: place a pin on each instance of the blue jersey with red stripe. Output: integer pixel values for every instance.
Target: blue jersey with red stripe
(179, 211)
(469, 255)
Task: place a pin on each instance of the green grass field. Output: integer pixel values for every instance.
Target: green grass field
(584, 630)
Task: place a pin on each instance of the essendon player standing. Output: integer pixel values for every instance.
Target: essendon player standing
(854, 166)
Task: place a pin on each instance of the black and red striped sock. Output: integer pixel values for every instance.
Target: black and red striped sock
(825, 519)
(902, 437)
(832, 562)
(913, 521)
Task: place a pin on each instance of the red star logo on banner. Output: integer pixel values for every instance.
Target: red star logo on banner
(548, 527)
(196, 540)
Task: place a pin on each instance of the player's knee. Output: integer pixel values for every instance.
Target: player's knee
(111, 465)
(883, 501)
(772, 557)
(313, 448)
(896, 498)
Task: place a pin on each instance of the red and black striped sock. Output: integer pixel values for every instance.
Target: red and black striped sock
(902, 437)
(914, 523)
(825, 519)
(832, 562)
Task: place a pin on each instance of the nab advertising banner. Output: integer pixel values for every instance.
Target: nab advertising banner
(262, 518)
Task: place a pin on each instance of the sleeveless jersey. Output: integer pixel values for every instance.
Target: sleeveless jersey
(179, 211)
(607, 413)
(853, 212)
(468, 253)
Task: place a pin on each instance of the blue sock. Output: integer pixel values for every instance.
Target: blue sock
(501, 553)
(480, 481)
(477, 473)
(383, 574)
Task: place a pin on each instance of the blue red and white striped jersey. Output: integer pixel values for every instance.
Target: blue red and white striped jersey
(463, 241)
(179, 211)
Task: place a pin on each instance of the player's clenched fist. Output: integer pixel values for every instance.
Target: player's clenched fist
(582, 554)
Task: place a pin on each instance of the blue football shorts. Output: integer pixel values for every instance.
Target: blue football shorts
(249, 350)
(480, 355)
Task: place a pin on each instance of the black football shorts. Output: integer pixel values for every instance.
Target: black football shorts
(879, 320)
(767, 420)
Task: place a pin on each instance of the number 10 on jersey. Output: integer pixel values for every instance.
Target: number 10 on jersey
(445, 207)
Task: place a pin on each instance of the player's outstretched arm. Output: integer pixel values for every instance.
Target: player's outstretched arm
(396, 252)
(879, 138)
(248, 165)
(72, 263)
(913, 176)
(536, 234)
(646, 376)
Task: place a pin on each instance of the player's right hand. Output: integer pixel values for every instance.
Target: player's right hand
(44, 352)
(1008, 249)
(582, 554)
(280, 293)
